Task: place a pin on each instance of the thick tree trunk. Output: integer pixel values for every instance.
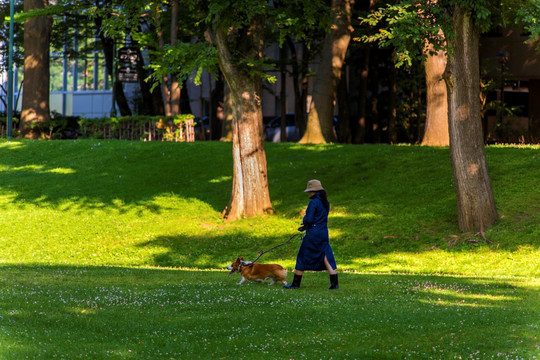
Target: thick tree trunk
(320, 125)
(436, 130)
(250, 193)
(35, 102)
(475, 200)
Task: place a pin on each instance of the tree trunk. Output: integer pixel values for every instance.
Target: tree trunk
(227, 125)
(361, 126)
(320, 125)
(436, 130)
(151, 102)
(300, 84)
(108, 51)
(283, 94)
(475, 201)
(176, 89)
(374, 120)
(170, 88)
(35, 102)
(392, 106)
(343, 127)
(250, 193)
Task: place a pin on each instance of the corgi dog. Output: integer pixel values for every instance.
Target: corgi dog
(258, 272)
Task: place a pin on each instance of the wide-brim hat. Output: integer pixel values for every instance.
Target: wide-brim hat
(314, 185)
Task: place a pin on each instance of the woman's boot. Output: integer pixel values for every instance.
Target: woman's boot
(295, 284)
(333, 282)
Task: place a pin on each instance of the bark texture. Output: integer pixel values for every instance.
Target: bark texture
(475, 201)
(320, 124)
(436, 130)
(250, 193)
(35, 101)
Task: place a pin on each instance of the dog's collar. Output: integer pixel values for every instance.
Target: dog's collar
(244, 263)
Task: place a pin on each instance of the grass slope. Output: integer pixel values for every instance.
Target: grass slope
(104, 244)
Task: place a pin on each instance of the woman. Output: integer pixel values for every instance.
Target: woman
(315, 253)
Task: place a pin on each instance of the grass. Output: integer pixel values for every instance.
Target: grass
(115, 250)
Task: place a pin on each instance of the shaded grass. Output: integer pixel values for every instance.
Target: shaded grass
(103, 244)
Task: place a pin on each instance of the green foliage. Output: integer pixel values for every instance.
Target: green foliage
(406, 27)
(304, 20)
(115, 249)
(529, 15)
(4, 36)
(184, 60)
(237, 13)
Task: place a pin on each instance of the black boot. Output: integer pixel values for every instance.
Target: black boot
(295, 284)
(333, 282)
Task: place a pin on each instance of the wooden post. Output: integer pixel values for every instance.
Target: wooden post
(190, 130)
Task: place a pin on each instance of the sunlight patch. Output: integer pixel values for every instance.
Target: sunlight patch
(443, 291)
(11, 145)
(29, 167)
(339, 214)
(220, 179)
(62, 171)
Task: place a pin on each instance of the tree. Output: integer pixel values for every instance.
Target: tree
(108, 45)
(240, 46)
(411, 28)
(35, 102)
(475, 200)
(320, 120)
(170, 87)
(461, 22)
(234, 33)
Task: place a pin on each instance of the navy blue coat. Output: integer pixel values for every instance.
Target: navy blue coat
(315, 244)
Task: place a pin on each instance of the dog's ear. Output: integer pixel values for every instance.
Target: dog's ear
(237, 259)
(242, 258)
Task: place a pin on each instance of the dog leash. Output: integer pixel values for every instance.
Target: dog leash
(261, 253)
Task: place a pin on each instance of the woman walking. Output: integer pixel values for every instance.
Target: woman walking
(315, 253)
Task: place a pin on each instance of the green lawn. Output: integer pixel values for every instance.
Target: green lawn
(116, 250)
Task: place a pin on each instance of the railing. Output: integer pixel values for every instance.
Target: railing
(180, 128)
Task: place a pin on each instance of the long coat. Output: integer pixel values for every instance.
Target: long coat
(315, 244)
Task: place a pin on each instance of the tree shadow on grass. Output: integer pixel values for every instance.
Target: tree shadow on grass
(403, 197)
(390, 255)
(92, 174)
(116, 312)
(383, 197)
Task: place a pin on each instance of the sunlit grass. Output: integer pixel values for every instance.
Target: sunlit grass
(73, 312)
(116, 250)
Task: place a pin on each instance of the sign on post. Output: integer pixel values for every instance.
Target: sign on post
(129, 59)
(127, 74)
